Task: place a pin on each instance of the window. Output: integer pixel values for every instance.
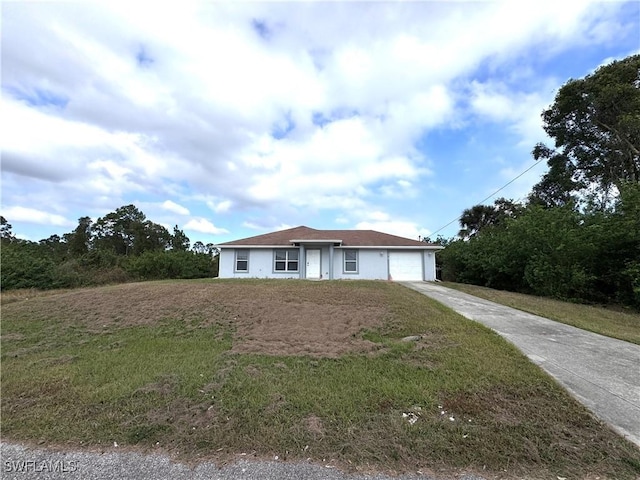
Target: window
(242, 260)
(351, 261)
(286, 260)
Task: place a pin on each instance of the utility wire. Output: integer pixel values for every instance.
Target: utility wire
(487, 198)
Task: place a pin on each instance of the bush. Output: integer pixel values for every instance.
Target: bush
(24, 266)
(170, 264)
(74, 273)
(557, 252)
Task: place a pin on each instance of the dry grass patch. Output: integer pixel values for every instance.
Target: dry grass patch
(623, 324)
(274, 319)
(10, 296)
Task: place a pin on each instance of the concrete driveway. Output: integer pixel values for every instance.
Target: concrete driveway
(601, 372)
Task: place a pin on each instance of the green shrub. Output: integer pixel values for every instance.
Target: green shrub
(170, 264)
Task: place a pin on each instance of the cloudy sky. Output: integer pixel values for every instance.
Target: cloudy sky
(234, 119)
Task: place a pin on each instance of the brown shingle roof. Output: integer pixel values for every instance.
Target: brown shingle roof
(350, 238)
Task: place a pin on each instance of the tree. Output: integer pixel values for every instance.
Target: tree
(579, 235)
(558, 186)
(150, 237)
(179, 241)
(6, 234)
(479, 217)
(439, 240)
(78, 242)
(27, 264)
(55, 247)
(118, 247)
(617, 233)
(117, 231)
(475, 219)
(595, 122)
(199, 247)
(212, 249)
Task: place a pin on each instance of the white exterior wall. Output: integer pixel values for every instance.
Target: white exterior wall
(373, 264)
(260, 265)
(430, 265)
(227, 257)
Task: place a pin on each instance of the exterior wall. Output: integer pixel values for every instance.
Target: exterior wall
(227, 257)
(373, 264)
(429, 265)
(260, 265)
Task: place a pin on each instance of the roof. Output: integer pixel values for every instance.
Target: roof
(349, 238)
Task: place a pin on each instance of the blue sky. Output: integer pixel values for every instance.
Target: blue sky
(235, 119)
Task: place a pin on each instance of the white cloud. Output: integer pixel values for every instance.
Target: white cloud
(283, 226)
(203, 225)
(519, 110)
(341, 159)
(253, 226)
(401, 228)
(175, 208)
(32, 215)
(378, 216)
(382, 221)
(220, 207)
(25, 237)
(264, 227)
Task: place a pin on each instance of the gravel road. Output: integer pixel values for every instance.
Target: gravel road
(21, 463)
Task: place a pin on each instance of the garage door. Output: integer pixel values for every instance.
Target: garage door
(405, 266)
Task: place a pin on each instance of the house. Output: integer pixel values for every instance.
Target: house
(304, 252)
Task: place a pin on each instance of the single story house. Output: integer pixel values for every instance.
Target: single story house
(304, 252)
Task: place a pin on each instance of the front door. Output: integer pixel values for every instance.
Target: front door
(313, 263)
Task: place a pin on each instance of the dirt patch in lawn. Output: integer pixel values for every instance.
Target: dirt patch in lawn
(322, 319)
(305, 328)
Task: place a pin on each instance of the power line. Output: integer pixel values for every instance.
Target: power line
(487, 198)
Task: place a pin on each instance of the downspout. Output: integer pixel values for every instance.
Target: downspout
(331, 261)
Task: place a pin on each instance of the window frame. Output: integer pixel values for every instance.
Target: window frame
(355, 261)
(287, 260)
(244, 251)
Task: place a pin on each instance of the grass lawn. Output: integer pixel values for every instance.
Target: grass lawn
(302, 370)
(618, 323)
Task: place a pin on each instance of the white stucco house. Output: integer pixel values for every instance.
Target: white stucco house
(306, 253)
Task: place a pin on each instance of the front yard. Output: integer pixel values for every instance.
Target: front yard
(299, 370)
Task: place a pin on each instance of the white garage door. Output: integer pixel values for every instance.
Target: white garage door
(405, 266)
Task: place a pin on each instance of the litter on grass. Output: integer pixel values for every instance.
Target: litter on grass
(410, 417)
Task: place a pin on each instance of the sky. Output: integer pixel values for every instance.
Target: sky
(232, 119)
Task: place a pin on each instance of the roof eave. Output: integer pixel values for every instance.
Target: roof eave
(395, 247)
(242, 245)
(377, 247)
(308, 240)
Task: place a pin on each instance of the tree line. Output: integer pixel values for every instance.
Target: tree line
(577, 235)
(121, 246)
